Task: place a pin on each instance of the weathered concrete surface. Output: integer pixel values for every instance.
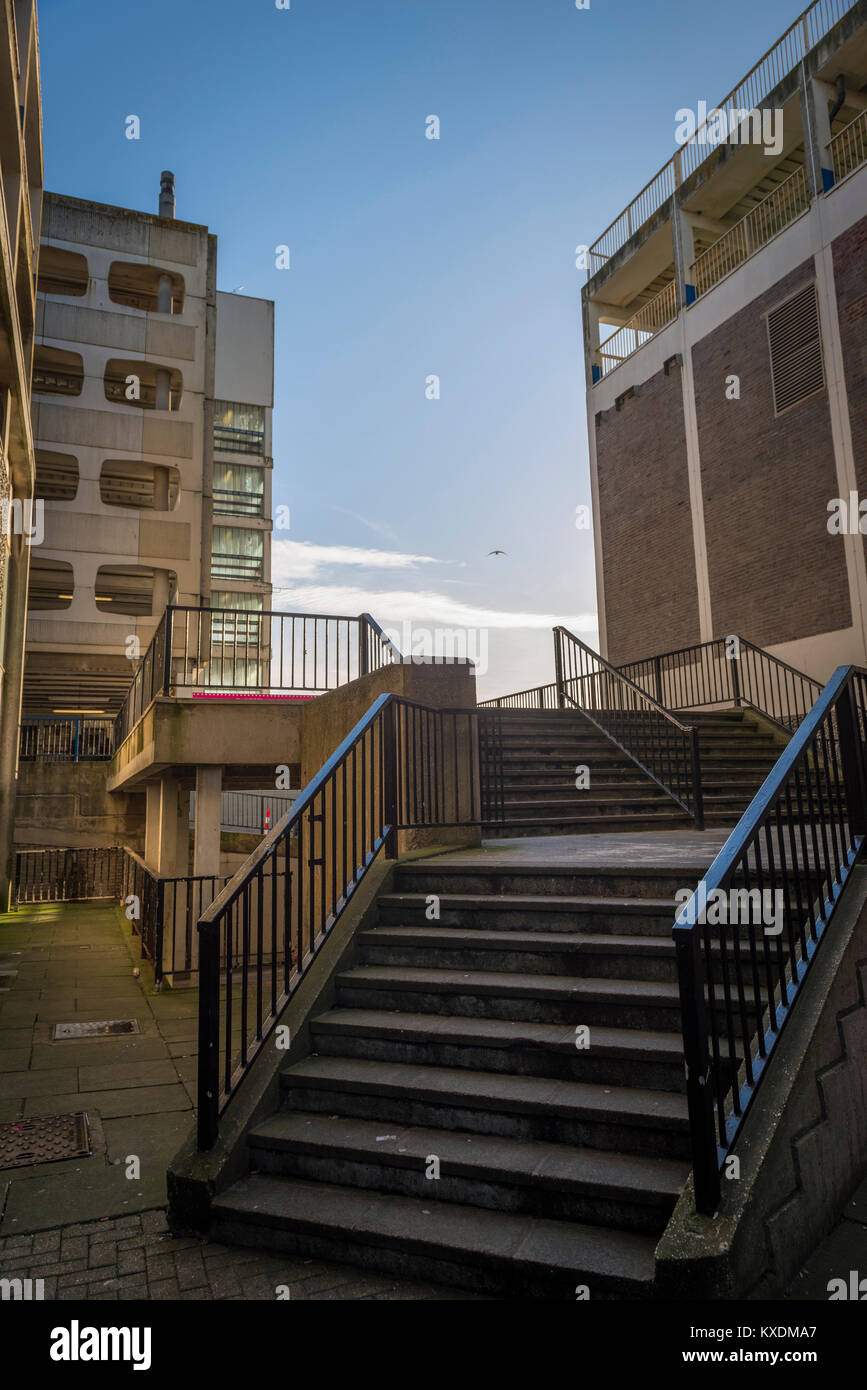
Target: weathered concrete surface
(326, 721)
(69, 804)
(250, 738)
(803, 1147)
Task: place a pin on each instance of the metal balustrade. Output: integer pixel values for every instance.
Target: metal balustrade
(727, 671)
(69, 740)
(848, 149)
(794, 847)
(650, 735)
(403, 766)
(814, 24)
(650, 319)
(761, 224)
(214, 651)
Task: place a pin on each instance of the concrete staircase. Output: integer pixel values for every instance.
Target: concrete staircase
(452, 1044)
(542, 749)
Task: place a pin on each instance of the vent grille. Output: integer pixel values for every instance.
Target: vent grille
(794, 338)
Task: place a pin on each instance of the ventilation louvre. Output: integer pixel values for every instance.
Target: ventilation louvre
(794, 339)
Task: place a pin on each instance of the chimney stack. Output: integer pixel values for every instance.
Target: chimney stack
(167, 193)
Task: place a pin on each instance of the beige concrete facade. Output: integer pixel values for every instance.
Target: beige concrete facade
(132, 374)
(20, 205)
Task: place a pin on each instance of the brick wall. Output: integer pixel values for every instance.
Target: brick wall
(651, 600)
(775, 572)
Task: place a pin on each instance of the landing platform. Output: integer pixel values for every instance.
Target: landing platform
(691, 849)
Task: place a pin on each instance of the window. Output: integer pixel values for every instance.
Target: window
(239, 489)
(139, 287)
(57, 372)
(237, 553)
(129, 483)
(61, 272)
(56, 476)
(240, 429)
(232, 629)
(795, 343)
(151, 387)
(125, 589)
(51, 584)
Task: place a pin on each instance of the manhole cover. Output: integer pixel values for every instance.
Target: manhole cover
(103, 1029)
(44, 1140)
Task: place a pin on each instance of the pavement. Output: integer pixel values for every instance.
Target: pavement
(95, 1228)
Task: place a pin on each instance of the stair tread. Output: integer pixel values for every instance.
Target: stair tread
(511, 982)
(605, 1172)
(495, 1032)
(444, 1228)
(524, 1093)
(591, 942)
(532, 902)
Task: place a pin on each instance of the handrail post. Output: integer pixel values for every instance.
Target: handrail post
(657, 668)
(167, 670)
(389, 772)
(209, 1036)
(736, 676)
(852, 758)
(558, 668)
(158, 933)
(77, 732)
(699, 1092)
(363, 654)
(697, 793)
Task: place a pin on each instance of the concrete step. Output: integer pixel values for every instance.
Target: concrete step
(578, 825)
(614, 1056)
(506, 994)
(482, 1170)
(516, 912)
(621, 1118)
(467, 1247)
(641, 881)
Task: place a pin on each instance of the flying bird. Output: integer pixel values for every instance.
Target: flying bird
(497, 552)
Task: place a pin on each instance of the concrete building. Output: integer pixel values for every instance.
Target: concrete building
(152, 409)
(21, 192)
(724, 325)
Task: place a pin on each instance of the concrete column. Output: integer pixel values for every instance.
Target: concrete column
(161, 489)
(164, 295)
(166, 829)
(15, 604)
(163, 389)
(206, 843)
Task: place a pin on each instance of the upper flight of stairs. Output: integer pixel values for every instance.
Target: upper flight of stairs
(455, 1039)
(542, 750)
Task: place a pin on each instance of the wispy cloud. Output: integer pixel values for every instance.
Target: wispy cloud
(425, 607)
(379, 528)
(294, 560)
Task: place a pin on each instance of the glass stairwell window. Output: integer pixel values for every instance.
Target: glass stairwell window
(239, 428)
(239, 489)
(239, 652)
(237, 553)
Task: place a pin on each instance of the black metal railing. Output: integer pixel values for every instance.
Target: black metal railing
(249, 813)
(151, 679)
(727, 671)
(774, 886)
(403, 766)
(650, 735)
(537, 697)
(66, 875)
(69, 740)
(239, 651)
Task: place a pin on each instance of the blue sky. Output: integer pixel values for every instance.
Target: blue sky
(409, 257)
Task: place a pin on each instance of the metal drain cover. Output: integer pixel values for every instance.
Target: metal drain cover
(103, 1029)
(44, 1140)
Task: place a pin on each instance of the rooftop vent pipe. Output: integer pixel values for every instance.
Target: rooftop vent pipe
(167, 193)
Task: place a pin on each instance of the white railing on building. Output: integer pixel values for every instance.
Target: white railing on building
(760, 225)
(848, 149)
(808, 29)
(651, 318)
